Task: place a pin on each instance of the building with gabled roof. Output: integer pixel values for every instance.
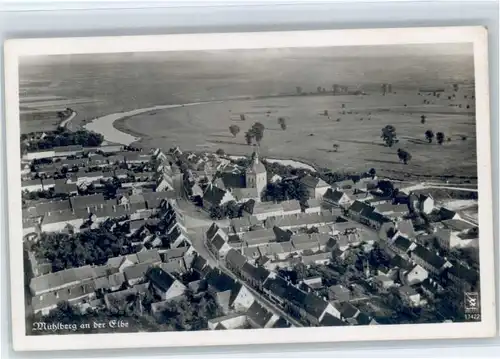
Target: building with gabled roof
(219, 246)
(416, 275)
(76, 294)
(443, 214)
(337, 198)
(431, 261)
(57, 221)
(293, 206)
(164, 284)
(304, 241)
(405, 227)
(136, 273)
(463, 278)
(65, 278)
(149, 256)
(316, 187)
(256, 276)
(231, 321)
(34, 185)
(307, 305)
(243, 195)
(347, 310)
(243, 224)
(331, 321)
(281, 235)
(339, 293)
(230, 294)
(425, 203)
(321, 258)
(213, 230)
(215, 196)
(200, 265)
(359, 211)
(347, 184)
(116, 281)
(262, 210)
(235, 261)
(69, 189)
(121, 262)
(258, 237)
(401, 245)
(313, 205)
(39, 208)
(89, 201)
(391, 209)
(260, 317)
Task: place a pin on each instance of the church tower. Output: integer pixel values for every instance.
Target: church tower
(256, 174)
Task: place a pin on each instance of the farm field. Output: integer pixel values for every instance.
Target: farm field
(123, 83)
(310, 134)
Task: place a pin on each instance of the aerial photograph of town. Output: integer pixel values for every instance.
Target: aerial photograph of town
(247, 189)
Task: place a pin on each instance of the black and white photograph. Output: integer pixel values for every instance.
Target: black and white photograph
(310, 187)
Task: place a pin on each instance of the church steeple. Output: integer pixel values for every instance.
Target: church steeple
(256, 174)
(256, 165)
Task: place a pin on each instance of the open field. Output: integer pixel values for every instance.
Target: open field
(120, 83)
(310, 134)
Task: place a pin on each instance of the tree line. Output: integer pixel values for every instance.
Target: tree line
(94, 246)
(63, 137)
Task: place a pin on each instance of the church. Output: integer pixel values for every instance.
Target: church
(238, 185)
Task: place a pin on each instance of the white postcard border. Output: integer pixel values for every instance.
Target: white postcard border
(14, 49)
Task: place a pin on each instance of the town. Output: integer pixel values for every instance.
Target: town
(180, 240)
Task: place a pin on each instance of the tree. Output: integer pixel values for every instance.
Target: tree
(258, 126)
(217, 212)
(249, 137)
(257, 131)
(93, 246)
(232, 209)
(282, 123)
(234, 129)
(422, 119)
(389, 135)
(404, 156)
(429, 135)
(286, 190)
(335, 147)
(318, 89)
(440, 138)
(386, 187)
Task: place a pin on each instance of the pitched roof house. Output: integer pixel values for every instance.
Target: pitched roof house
(429, 260)
(164, 284)
(315, 186)
(215, 196)
(259, 317)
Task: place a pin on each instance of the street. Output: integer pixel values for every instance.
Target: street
(197, 236)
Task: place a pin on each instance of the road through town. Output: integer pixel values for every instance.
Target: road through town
(197, 236)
